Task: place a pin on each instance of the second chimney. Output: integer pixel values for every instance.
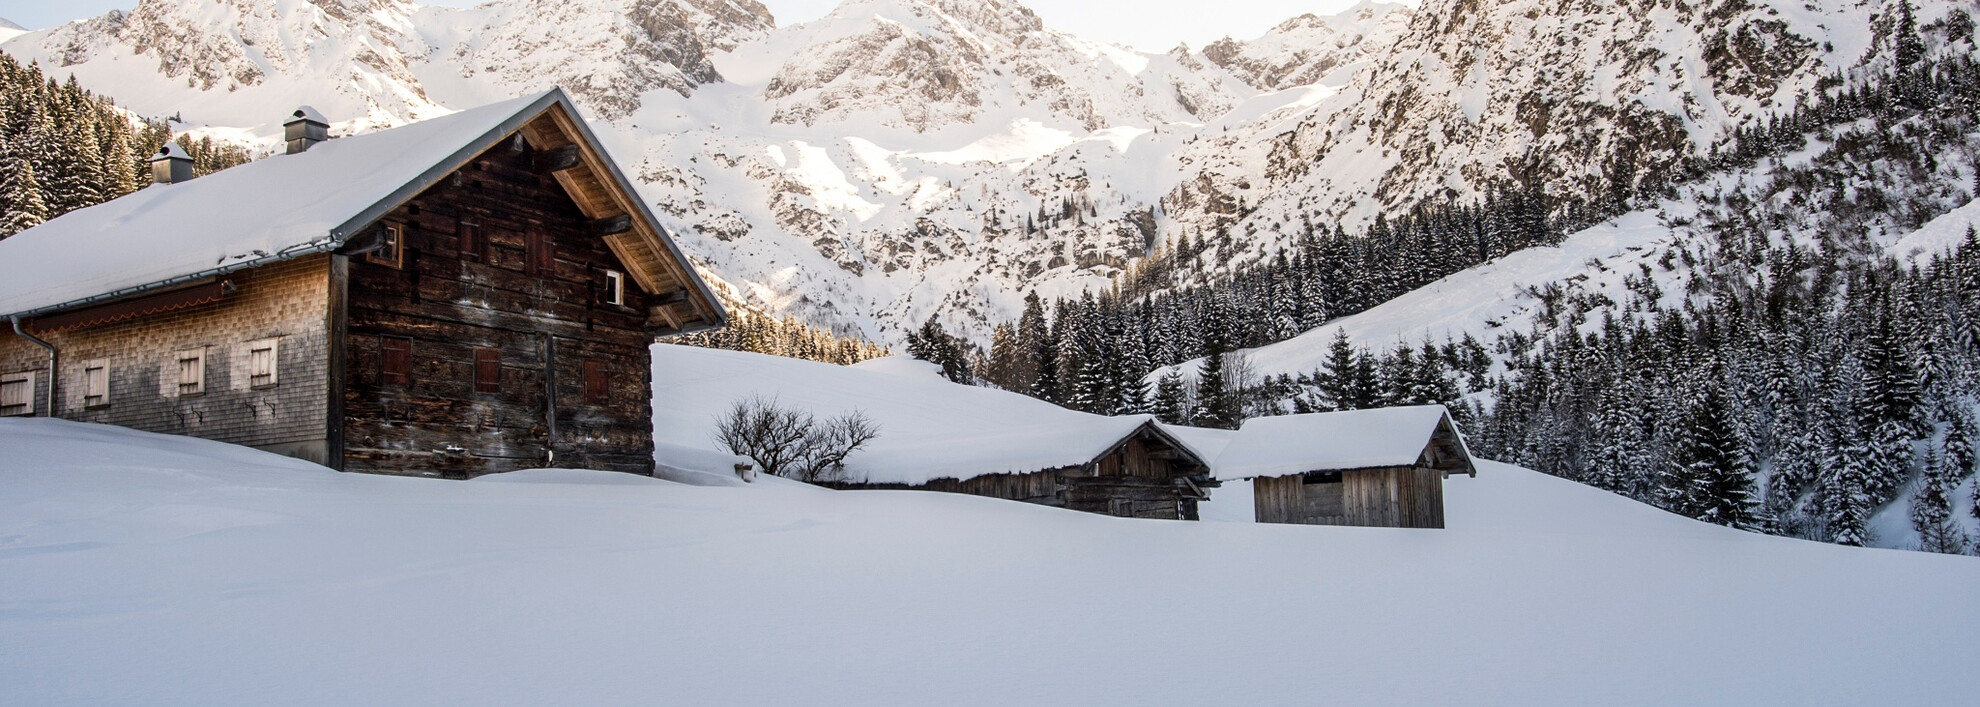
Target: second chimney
(307, 127)
(171, 165)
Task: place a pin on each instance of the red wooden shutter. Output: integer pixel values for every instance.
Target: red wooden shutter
(542, 253)
(471, 244)
(597, 382)
(487, 370)
(395, 366)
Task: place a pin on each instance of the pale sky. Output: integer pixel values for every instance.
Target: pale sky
(1149, 25)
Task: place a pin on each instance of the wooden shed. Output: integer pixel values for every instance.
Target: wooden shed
(1144, 473)
(469, 294)
(1380, 467)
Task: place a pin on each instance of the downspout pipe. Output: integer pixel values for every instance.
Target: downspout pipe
(53, 358)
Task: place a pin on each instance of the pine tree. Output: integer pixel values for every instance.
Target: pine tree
(1910, 46)
(1045, 386)
(1171, 403)
(1931, 508)
(20, 192)
(1721, 467)
(1336, 377)
(1216, 405)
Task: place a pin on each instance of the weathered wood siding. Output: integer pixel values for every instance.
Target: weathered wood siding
(1290, 499)
(285, 301)
(1399, 497)
(1144, 477)
(545, 326)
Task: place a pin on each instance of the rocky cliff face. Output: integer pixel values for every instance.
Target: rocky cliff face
(1580, 98)
(607, 53)
(925, 66)
(902, 158)
(1311, 49)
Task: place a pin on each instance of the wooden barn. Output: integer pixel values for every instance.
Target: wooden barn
(1381, 467)
(1144, 472)
(469, 294)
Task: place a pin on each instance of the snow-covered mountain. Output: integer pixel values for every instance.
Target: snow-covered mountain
(1581, 98)
(9, 30)
(1311, 49)
(902, 158)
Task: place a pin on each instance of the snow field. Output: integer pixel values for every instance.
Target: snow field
(148, 569)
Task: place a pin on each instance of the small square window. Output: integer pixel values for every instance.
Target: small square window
(390, 251)
(17, 394)
(96, 383)
(615, 287)
(263, 363)
(192, 372)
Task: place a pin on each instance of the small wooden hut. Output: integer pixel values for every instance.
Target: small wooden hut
(1146, 473)
(1382, 467)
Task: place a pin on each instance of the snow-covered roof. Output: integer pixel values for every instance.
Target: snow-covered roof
(271, 209)
(275, 206)
(930, 428)
(1330, 441)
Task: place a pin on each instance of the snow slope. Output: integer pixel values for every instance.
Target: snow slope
(146, 569)
(929, 427)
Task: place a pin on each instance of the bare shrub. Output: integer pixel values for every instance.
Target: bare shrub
(792, 443)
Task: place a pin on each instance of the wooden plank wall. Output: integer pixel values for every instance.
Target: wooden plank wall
(449, 303)
(1397, 497)
(1288, 499)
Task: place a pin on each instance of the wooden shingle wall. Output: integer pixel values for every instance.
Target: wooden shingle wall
(287, 301)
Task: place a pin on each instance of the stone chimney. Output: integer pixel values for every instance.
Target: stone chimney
(307, 127)
(171, 165)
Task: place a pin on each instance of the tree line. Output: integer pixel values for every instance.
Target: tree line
(63, 148)
(1788, 388)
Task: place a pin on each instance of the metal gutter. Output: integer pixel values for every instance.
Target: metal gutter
(317, 246)
(54, 358)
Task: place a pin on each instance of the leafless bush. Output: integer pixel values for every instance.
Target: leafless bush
(792, 443)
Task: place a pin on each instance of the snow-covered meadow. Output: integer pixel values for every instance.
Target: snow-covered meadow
(147, 569)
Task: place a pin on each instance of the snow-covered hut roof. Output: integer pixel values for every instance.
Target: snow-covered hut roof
(1338, 441)
(276, 208)
(930, 428)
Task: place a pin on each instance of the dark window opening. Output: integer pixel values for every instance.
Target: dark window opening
(597, 382)
(395, 363)
(487, 370)
(615, 287)
(1322, 477)
(389, 252)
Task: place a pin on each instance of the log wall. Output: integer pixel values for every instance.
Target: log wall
(546, 318)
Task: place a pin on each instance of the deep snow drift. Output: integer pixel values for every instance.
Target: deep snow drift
(147, 569)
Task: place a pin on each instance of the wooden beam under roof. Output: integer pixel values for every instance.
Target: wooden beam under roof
(642, 248)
